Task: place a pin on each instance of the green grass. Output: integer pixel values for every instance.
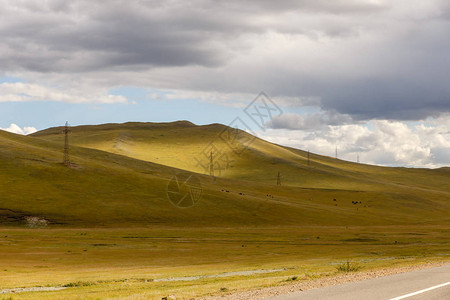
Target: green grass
(348, 266)
(112, 231)
(125, 262)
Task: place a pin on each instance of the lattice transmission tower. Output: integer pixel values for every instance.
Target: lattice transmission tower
(279, 178)
(211, 165)
(66, 132)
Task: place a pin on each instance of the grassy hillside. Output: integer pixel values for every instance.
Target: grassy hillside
(108, 189)
(121, 173)
(321, 216)
(186, 146)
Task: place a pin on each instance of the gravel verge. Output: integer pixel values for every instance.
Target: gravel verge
(339, 278)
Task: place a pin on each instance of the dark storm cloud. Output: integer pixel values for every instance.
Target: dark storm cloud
(396, 98)
(367, 59)
(312, 121)
(91, 35)
(87, 35)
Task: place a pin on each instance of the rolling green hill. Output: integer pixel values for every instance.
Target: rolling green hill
(186, 146)
(121, 174)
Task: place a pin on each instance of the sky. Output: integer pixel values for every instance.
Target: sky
(368, 77)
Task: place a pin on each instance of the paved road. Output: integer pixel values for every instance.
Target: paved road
(429, 284)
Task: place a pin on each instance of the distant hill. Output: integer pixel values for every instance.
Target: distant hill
(121, 173)
(182, 145)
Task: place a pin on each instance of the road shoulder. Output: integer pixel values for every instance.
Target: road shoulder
(334, 279)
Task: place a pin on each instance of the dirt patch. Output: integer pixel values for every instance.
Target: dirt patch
(228, 274)
(32, 289)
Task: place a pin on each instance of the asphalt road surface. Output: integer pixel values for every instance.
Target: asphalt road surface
(427, 284)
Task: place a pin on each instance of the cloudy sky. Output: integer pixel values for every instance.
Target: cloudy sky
(369, 77)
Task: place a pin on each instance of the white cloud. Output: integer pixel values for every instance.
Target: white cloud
(23, 92)
(18, 130)
(378, 142)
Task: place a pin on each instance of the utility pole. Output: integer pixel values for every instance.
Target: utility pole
(279, 178)
(357, 158)
(336, 153)
(66, 132)
(211, 165)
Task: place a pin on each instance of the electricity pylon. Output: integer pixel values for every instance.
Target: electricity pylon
(211, 165)
(66, 132)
